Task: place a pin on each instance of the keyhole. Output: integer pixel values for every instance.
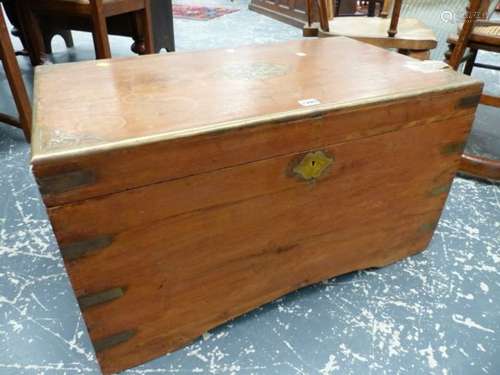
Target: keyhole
(313, 163)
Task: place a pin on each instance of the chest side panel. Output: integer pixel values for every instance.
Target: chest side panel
(200, 250)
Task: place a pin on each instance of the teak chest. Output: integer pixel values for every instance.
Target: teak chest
(187, 189)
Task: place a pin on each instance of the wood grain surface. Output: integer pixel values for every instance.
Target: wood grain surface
(167, 96)
(194, 269)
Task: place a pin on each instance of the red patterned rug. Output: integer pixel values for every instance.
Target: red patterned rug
(199, 12)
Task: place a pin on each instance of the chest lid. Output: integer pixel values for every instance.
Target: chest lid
(108, 125)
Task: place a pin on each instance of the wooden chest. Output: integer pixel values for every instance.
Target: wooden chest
(187, 189)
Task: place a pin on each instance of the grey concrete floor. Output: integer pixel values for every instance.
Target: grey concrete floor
(434, 313)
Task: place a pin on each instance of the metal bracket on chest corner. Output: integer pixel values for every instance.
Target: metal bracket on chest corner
(312, 166)
(79, 249)
(64, 182)
(114, 340)
(94, 299)
(469, 101)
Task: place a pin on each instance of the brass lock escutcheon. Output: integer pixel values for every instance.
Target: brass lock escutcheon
(313, 165)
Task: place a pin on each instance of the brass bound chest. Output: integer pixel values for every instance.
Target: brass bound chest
(187, 189)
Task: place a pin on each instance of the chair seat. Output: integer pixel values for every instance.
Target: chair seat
(487, 32)
(485, 36)
(412, 34)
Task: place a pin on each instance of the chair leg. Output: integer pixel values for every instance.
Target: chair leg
(372, 5)
(68, 38)
(143, 34)
(100, 31)
(147, 27)
(50, 33)
(31, 33)
(15, 79)
(47, 41)
(396, 11)
(469, 65)
(386, 8)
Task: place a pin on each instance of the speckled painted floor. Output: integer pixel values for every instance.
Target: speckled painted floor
(435, 313)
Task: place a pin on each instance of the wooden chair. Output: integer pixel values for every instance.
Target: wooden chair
(16, 83)
(409, 36)
(12, 15)
(77, 15)
(476, 35)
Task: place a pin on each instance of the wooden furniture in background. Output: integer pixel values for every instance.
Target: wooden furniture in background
(80, 14)
(296, 13)
(408, 35)
(161, 23)
(161, 19)
(386, 8)
(13, 73)
(370, 5)
(13, 16)
(292, 12)
(345, 7)
(178, 206)
(477, 35)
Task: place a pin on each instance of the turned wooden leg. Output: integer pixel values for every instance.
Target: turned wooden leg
(100, 31)
(15, 79)
(143, 33)
(396, 11)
